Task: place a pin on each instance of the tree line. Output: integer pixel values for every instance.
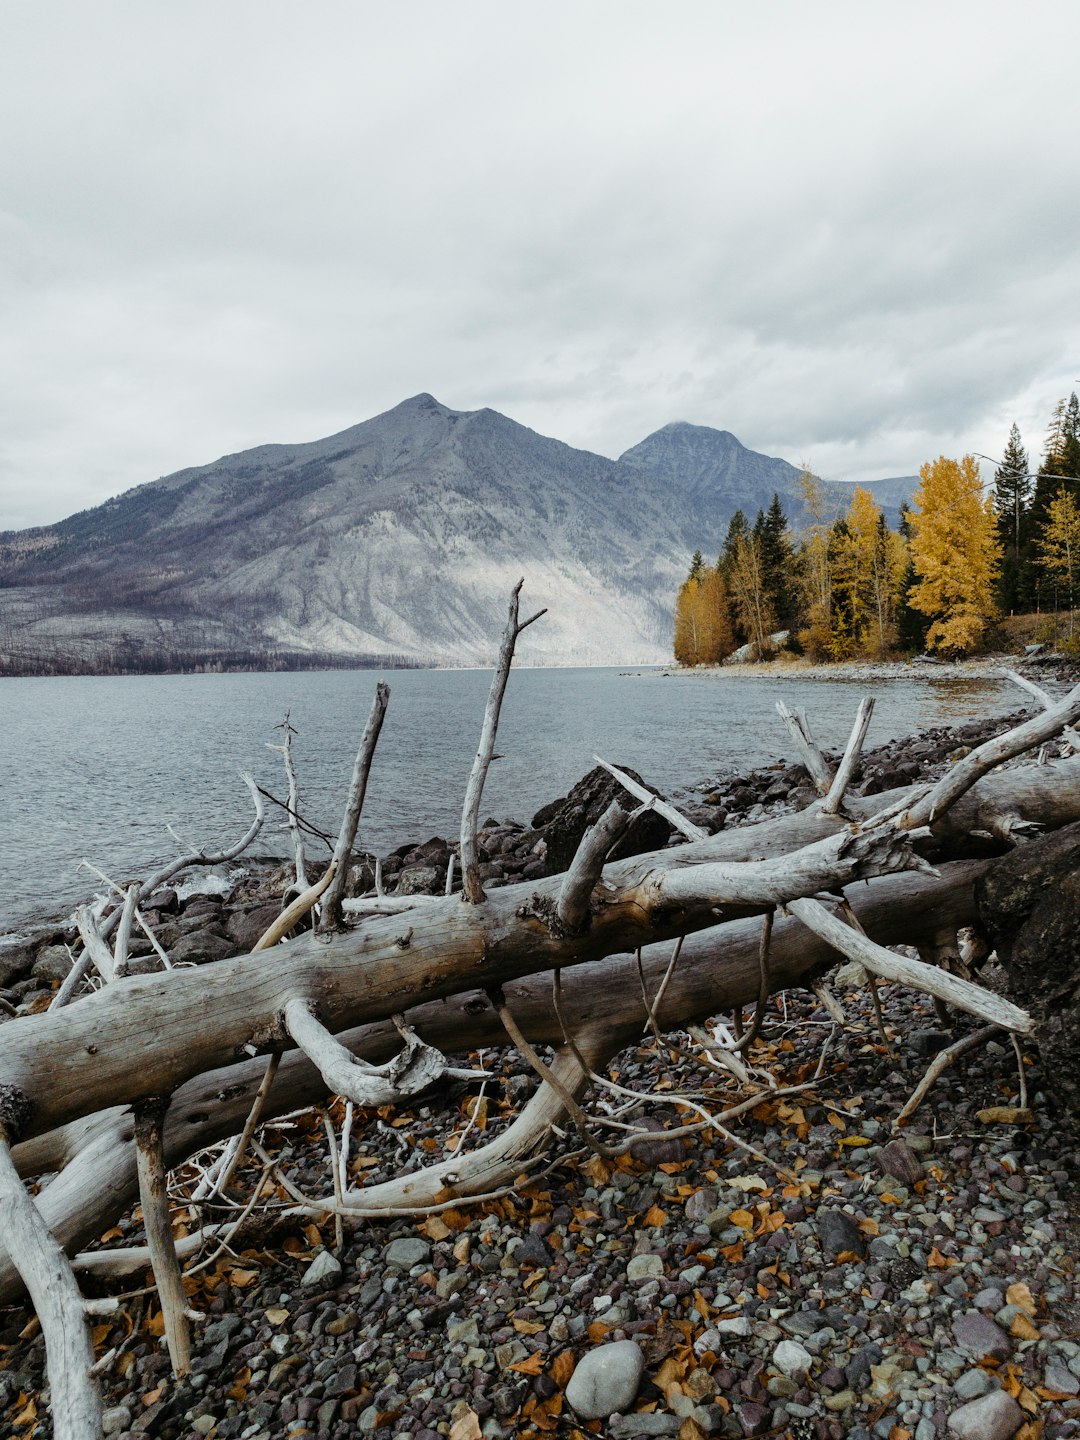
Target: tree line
(849, 586)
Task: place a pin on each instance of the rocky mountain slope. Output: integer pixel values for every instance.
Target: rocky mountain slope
(397, 540)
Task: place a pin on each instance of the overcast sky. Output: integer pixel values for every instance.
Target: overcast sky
(849, 233)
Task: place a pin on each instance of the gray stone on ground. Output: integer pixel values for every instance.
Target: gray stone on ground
(973, 1383)
(630, 1427)
(421, 880)
(901, 1162)
(791, 1358)
(980, 1337)
(52, 963)
(661, 1151)
(323, 1267)
(838, 1232)
(410, 1250)
(995, 1416)
(606, 1380)
(645, 1267)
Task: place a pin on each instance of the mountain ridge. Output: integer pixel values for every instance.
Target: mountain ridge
(398, 538)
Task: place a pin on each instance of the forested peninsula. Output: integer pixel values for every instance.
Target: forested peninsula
(848, 586)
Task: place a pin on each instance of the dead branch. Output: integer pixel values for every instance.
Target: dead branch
(471, 888)
(331, 914)
(798, 728)
(846, 769)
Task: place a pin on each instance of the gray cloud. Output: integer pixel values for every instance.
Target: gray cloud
(844, 234)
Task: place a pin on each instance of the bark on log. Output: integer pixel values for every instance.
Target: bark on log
(718, 970)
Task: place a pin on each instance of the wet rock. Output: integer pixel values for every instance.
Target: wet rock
(421, 880)
(606, 1380)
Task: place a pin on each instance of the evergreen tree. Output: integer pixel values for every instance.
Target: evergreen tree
(911, 624)
(697, 564)
(1012, 495)
(777, 560)
(738, 527)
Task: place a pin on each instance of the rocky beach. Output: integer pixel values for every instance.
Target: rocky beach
(812, 1270)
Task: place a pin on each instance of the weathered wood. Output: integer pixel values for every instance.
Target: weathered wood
(572, 906)
(154, 1197)
(798, 727)
(471, 888)
(846, 769)
(718, 969)
(165, 1029)
(47, 1274)
(662, 807)
(331, 916)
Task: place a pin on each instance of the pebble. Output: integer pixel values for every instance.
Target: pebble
(606, 1380)
(791, 1358)
(995, 1416)
(323, 1268)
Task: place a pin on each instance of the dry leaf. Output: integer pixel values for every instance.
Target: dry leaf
(26, 1415)
(467, 1427)
(277, 1317)
(938, 1261)
(562, 1367)
(531, 1365)
(156, 1324)
(243, 1278)
(528, 1327)
(654, 1216)
(1019, 1295)
(742, 1218)
(152, 1396)
(1022, 1328)
(597, 1331)
(746, 1183)
(436, 1228)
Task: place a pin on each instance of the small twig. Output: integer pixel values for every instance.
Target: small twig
(573, 1109)
(655, 802)
(1023, 1099)
(250, 1124)
(335, 1172)
(941, 1062)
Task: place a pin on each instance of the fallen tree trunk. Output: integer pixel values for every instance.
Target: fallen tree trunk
(717, 971)
(145, 1036)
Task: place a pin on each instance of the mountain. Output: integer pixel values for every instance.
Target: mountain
(395, 541)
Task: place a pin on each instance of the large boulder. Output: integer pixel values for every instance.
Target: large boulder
(563, 822)
(1029, 901)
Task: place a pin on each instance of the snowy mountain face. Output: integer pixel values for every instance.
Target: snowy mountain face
(398, 539)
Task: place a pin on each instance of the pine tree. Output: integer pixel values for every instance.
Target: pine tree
(1012, 496)
(777, 559)
(955, 551)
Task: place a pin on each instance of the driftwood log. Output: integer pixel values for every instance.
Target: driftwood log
(119, 1085)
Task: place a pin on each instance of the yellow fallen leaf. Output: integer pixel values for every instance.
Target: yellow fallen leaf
(654, 1216)
(1019, 1294)
(528, 1327)
(742, 1218)
(243, 1278)
(531, 1365)
(1022, 1328)
(277, 1317)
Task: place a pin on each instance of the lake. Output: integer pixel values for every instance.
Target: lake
(97, 767)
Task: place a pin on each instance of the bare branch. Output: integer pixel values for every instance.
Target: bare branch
(951, 988)
(153, 1194)
(662, 807)
(331, 913)
(842, 779)
(572, 906)
(798, 728)
(471, 888)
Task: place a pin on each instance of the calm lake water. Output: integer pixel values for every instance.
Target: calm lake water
(98, 767)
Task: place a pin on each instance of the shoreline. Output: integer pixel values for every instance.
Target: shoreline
(984, 667)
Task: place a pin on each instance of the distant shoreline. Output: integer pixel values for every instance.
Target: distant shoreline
(983, 667)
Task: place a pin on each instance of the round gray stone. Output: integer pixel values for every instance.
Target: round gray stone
(606, 1380)
(995, 1416)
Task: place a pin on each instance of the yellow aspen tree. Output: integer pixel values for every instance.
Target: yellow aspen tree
(703, 634)
(955, 552)
(878, 563)
(748, 593)
(1059, 547)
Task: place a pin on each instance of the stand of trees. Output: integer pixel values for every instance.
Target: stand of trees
(849, 586)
